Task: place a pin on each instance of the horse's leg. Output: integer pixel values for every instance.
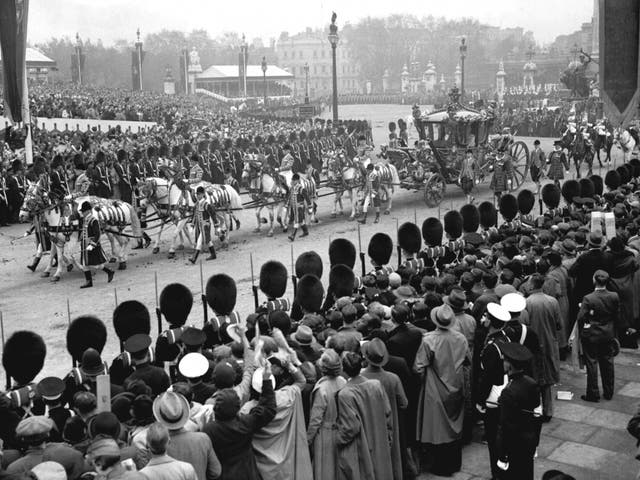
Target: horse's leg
(335, 204)
(36, 258)
(354, 203)
(59, 252)
(124, 246)
(258, 220)
(156, 243)
(271, 225)
(387, 210)
(52, 260)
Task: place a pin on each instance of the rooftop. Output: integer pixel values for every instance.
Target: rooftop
(220, 72)
(36, 56)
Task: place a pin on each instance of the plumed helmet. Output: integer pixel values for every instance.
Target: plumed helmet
(526, 201)
(453, 224)
(342, 252)
(164, 150)
(341, 281)
(570, 190)
(508, 207)
(625, 174)
(151, 151)
(121, 155)
(23, 356)
(612, 179)
(551, 195)
(470, 218)
(598, 184)
(587, 188)
(309, 263)
(221, 293)
(432, 232)
(83, 333)
(380, 248)
(309, 293)
(392, 127)
(131, 318)
(273, 279)
(409, 237)
(176, 301)
(488, 215)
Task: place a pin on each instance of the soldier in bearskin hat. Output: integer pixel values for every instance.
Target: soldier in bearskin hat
(85, 332)
(432, 232)
(310, 294)
(526, 201)
(341, 252)
(221, 294)
(150, 163)
(556, 161)
(92, 255)
(23, 358)
(453, 229)
(470, 224)
(341, 283)
(570, 191)
(121, 167)
(612, 180)
(309, 263)
(410, 241)
(488, 218)
(129, 318)
(273, 283)
(551, 198)
(508, 209)
(379, 251)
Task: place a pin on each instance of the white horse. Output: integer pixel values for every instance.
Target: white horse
(626, 141)
(343, 177)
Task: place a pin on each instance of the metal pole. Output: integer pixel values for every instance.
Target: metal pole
(140, 64)
(264, 88)
(462, 79)
(335, 86)
(79, 65)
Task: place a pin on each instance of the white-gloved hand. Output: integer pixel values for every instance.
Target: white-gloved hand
(503, 465)
(90, 248)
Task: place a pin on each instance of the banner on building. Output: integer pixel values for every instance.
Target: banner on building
(137, 58)
(184, 71)
(77, 66)
(13, 44)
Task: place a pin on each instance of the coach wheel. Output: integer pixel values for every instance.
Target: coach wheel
(520, 160)
(434, 190)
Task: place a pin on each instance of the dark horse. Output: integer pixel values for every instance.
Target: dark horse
(602, 140)
(578, 150)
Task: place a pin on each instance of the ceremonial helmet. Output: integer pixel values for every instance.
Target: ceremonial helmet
(551, 195)
(342, 252)
(488, 215)
(380, 248)
(131, 318)
(308, 263)
(453, 224)
(432, 232)
(526, 201)
(221, 293)
(85, 332)
(508, 207)
(341, 281)
(409, 237)
(273, 279)
(309, 293)
(23, 356)
(470, 218)
(176, 301)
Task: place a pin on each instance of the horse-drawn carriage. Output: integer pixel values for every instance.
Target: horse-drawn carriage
(445, 136)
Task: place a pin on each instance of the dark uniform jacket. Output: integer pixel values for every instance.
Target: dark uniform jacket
(583, 269)
(599, 317)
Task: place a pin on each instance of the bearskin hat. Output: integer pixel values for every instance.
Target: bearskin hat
(470, 218)
(273, 279)
(453, 224)
(612, 179)
(137, 154)
(508, 207)
(342, 252)
(309, 263)
(151, 151)
(176, 301)
(309, 293)
(570, 190)
(303, 135)
(526, 201)
(121, 155)
(203, 146)
(99, 156)
(23, 356)
(312, 135)
(340, 130)
(131, 318)
(598, 184)
(392, 127)
(432, 232)
(380, 248)
(625, 174)
(409, 237)
(341, 281)
(83, 333)
(258, 140)
(221, 293)
(587, 188)
(293, 137)
(634, 163)
(551, 195)
(488, 215)
(175, 151)
(227, 144)
(164, 150)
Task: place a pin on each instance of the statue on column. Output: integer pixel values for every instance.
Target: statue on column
(194, 61)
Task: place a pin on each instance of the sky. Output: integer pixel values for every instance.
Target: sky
(111, 20)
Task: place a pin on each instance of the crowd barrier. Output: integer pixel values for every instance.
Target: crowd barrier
(70, 124)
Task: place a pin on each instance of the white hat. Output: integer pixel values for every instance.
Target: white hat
(498, 312)
(49, 471)
(513, 302)
(193, 365)
(256, 380)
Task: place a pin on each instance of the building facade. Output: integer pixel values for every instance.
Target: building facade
(312, 48)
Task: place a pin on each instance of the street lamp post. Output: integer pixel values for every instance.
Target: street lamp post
(306, 83)
(463, 54)
(333, 39)
(264, 81)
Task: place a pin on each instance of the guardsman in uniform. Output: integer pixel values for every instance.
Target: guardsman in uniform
(176, 302)
(508, 208)
(470, 223)
(57, 184)
(371, 194)
(379, 251)
(16, 184)
(150, 165)
(203, 217)
(526, 201)
(297, 207)
(341, 252)
(101, 183)
(121, 167)
(196, 172)
(273, 283)
(409, 242)
(129, 318)
(92, 254)
(551, 197)
(221, 294)
(488, 220)
(215, 162)
(558, 163)
(23, 358)
(432, 232)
